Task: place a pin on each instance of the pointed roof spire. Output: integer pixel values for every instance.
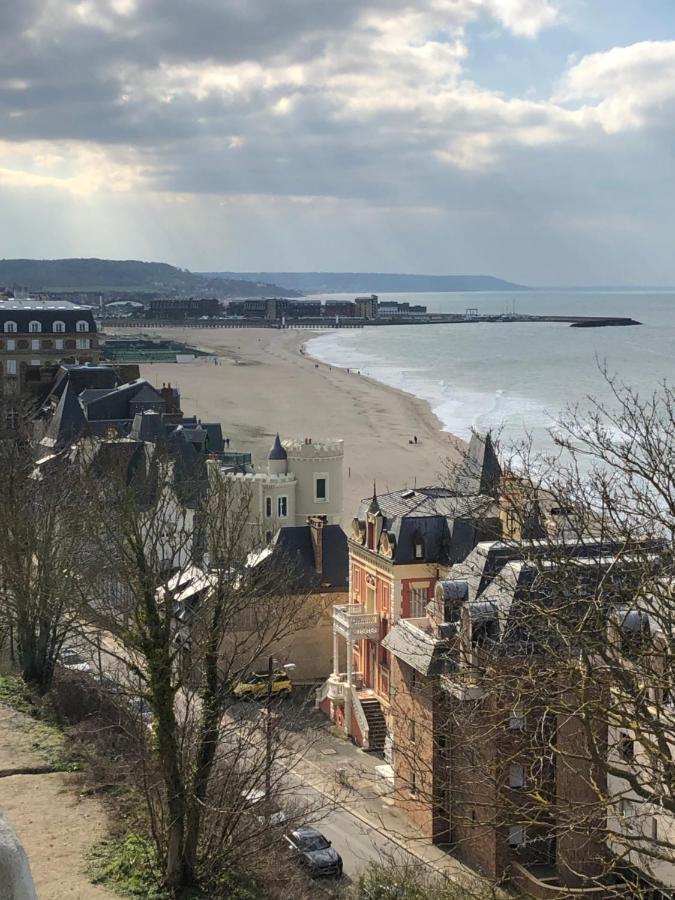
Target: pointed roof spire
(69, 421)
(277, 451)
(374, 503)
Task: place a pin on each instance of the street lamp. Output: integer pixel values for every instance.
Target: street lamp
(268, 725)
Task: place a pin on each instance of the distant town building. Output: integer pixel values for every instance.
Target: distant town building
(181, 308)
(344, 309)
(366, 307)
(392, 308)
(38, 335)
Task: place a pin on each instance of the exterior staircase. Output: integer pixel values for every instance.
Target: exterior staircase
(377, 728)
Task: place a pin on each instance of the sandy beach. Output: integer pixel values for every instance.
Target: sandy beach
(263, 383)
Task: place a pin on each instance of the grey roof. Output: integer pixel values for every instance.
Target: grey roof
(30, 303)
(416, 647)
(148, 426)
(484, 562)
(448, 526)
(214, 431)
(479, 472)
(292, 545)
(277, 451)
(46, 312)
(115, 404)
(69, 421)
(84, 378)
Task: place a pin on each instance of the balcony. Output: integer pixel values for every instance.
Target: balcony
(463, 684)
(336, 686)
(354, 624)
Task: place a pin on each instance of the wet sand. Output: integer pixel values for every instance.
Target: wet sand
(264, 383)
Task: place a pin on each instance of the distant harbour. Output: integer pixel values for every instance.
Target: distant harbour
(516, 379)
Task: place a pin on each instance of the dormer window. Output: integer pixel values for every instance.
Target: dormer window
(10, 327)
(59, 327)
(82, 326)
(418, 546)
(34, 327)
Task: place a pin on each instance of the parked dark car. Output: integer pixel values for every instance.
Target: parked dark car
(315, 852)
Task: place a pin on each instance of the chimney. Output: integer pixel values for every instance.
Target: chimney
(316, 524)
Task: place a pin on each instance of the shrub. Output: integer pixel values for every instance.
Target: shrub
(405, 883)
(129, 866)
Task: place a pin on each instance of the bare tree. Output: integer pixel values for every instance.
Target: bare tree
(184, 623)
(42, 560)
(551, 715)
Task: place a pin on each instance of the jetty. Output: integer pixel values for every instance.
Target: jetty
(329, 324)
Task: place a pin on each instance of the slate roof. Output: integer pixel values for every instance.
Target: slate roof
(83, 378)
(214, 431)
(46, 312)
(414, 646)
(449, 526)
(148, 426)
(277, 451)
(292, 545)
(479, 472)
(115, 404)
(69, 421)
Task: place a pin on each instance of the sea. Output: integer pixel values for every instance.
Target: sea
(515, 378)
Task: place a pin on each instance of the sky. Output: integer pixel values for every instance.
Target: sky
(527, 139)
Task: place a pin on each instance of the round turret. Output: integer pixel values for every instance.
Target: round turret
(277, 459)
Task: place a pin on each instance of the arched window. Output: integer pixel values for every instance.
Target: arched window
(59, 327)
(82, 326)
(10, 327)
(34, 327)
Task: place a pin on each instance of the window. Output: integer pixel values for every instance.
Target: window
(516, 776)
(282, 507)
(321, 488)
(35, 362)
(413, 732)
(413, 783)
(59, 327)
(34, 345)
(10, 327)
(11, 367)
(82, 326)
(268, 536)
(626, 747)
(11, 344)
(516, 835)
(58, 344)
(418, 603)
(419, 548)
(34, 327)
(268, 507)
(83, 344)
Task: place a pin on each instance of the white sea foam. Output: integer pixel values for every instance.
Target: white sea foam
(515, 378)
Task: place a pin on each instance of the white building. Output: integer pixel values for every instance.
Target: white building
(303, 479)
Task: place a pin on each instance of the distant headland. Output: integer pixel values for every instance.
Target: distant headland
(372, 282)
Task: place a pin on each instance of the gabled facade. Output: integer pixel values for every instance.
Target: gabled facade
(400, 544)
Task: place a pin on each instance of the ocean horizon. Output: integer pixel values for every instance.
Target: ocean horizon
(516, 378)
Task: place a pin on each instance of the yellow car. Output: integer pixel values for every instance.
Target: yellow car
(256, 685)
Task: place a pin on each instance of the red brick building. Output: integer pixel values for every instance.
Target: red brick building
(400, 544)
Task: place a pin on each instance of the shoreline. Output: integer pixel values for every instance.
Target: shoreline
(262, 382)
